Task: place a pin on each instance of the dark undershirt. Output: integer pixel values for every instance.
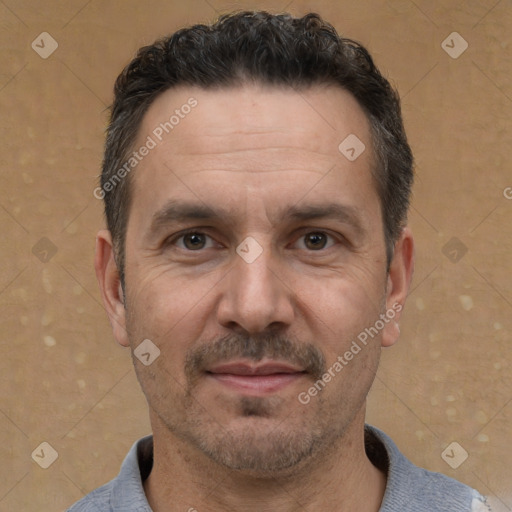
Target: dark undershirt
(375, 451)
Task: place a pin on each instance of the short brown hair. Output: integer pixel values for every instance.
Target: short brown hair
(272, 49)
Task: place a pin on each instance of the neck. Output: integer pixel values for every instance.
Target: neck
(342, 478)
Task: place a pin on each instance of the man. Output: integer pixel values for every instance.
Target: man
(256, 183)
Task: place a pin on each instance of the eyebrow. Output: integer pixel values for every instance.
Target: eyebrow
(177, 211)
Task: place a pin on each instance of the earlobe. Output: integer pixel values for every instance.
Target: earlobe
(107, 274)
(399, 281)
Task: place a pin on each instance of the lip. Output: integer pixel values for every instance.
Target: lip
(242, 368)
(260, 379)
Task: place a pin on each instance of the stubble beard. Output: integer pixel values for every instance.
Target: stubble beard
(261, 440)
(262, 443)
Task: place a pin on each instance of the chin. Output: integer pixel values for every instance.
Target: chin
(264, 446)
(261, 454)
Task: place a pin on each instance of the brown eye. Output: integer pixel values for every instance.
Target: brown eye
(191, 241)
(315, 241)
(194, 241)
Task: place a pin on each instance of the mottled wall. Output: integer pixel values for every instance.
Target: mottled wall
(64, 379)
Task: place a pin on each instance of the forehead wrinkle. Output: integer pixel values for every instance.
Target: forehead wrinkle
(184, 164)
(254, 171)
(301, 145)
(254, 161)
(264, 148)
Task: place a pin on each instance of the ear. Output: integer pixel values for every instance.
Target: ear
(399, 280)
(107, 274)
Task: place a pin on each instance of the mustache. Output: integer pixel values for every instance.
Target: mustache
(255, 348)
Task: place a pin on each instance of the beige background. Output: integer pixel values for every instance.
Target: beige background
(64, 379)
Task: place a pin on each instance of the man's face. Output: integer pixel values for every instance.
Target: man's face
(276, 278)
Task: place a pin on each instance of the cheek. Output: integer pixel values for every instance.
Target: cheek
(171, 312)
(340, 307)
(160, 302)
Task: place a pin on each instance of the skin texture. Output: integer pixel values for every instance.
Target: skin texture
(255, 152)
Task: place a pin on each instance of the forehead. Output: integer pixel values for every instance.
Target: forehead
(248, 117)
(257, 144)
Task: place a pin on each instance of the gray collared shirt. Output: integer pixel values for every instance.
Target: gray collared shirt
(409, 488)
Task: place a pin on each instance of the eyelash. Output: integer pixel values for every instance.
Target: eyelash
(172, 240)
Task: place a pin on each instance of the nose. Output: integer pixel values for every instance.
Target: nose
(255, 297)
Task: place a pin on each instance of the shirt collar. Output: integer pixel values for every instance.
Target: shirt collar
(128, 489)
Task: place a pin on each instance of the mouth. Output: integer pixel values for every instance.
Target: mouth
(255, 379)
